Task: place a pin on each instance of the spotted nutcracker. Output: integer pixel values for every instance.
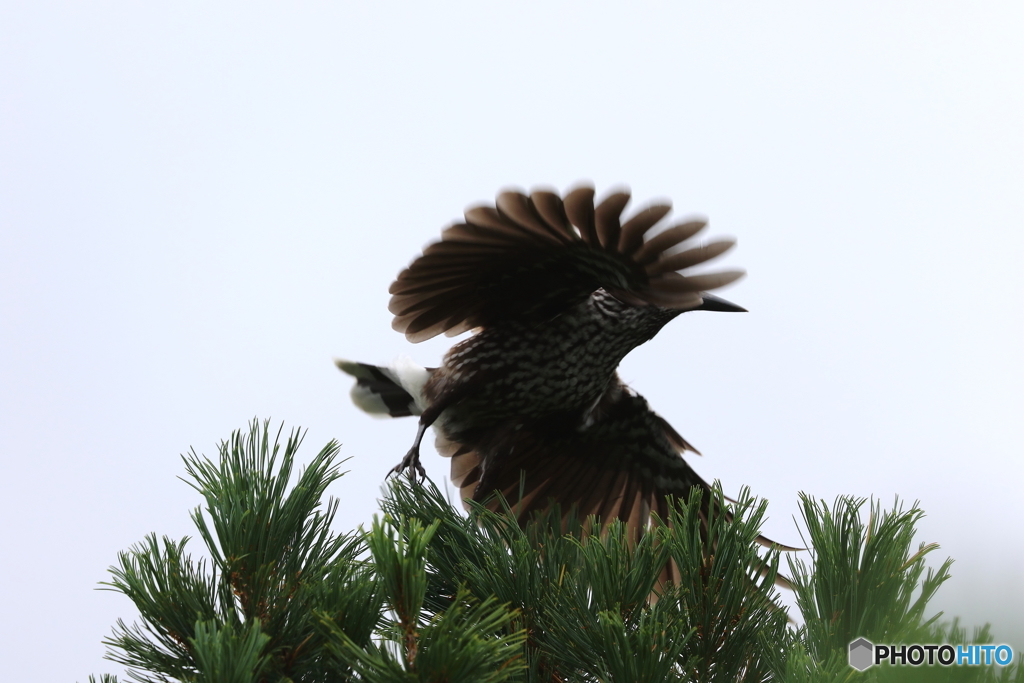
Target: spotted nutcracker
(556, 292)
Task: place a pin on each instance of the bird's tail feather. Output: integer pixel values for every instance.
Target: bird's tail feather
(379, 391)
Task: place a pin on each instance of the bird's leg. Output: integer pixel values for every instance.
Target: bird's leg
(411, 461)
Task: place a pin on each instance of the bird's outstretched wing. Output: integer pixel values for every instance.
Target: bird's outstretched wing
(620, 466)
(623, 465)
(532, 257)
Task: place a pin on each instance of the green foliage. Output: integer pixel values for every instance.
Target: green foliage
(254, 609)
(428, 594)
(604, 615)
(584, 605)
(727, 589)
(458, 645)
(858, 566)
(226, 654)
(865, 580)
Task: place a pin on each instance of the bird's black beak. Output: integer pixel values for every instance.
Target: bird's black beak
(717, 303)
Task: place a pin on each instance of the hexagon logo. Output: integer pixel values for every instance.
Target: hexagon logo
(861, 654)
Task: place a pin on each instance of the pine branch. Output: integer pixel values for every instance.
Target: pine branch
(428, 594)
(276, 572)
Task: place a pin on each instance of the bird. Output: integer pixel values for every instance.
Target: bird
(555, 291)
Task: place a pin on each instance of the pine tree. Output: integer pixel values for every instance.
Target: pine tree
(427, 594)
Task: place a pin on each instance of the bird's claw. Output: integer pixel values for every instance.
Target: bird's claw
(410, 462)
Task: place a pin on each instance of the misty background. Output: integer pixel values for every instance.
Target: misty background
(202, 204)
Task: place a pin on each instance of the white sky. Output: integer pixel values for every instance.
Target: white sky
(201, 205)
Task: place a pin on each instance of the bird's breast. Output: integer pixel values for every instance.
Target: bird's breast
(560, 368)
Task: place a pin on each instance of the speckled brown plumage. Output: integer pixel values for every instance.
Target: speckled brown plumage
(557, 292)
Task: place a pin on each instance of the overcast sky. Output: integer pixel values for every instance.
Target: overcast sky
(202, 204)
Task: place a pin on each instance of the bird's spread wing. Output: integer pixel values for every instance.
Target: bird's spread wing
(621, 465)
(531, 257)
